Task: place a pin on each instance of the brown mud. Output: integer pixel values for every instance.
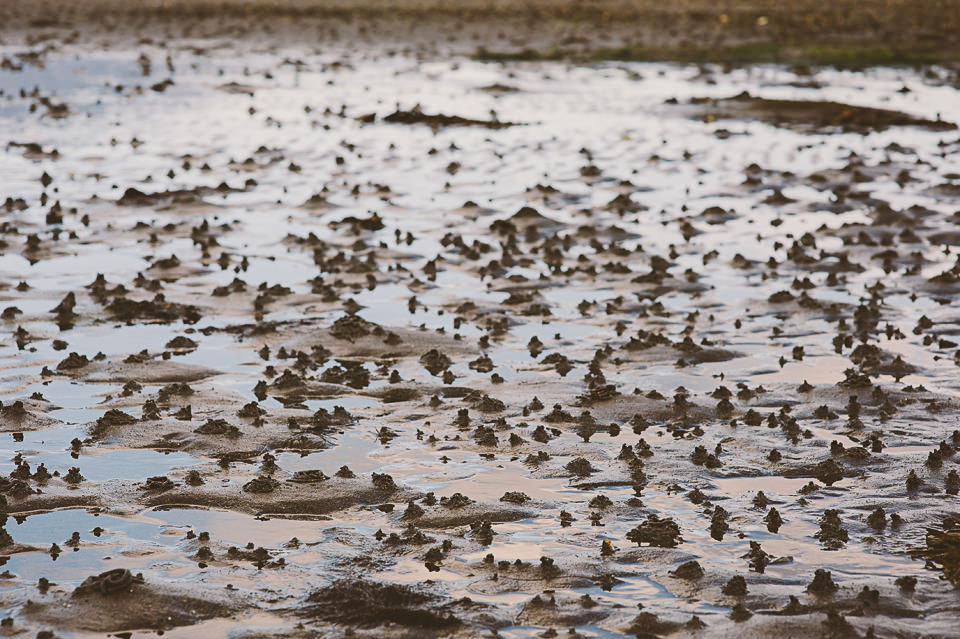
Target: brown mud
(846, 32)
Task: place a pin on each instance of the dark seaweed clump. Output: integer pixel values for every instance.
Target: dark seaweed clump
(370, 604)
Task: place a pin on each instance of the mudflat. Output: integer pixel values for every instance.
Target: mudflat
(436, 319)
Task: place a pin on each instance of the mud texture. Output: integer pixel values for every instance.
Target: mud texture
(313, 324)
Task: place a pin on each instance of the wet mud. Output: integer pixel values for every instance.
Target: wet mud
(365, 340)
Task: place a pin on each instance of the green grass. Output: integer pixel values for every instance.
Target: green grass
(817, 55)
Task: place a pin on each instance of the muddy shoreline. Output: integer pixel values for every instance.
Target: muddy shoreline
(848, 33)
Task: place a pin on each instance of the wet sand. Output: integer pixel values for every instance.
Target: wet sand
(314, 327)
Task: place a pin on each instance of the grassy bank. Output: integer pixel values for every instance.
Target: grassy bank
(816, 55)
(839, 32)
